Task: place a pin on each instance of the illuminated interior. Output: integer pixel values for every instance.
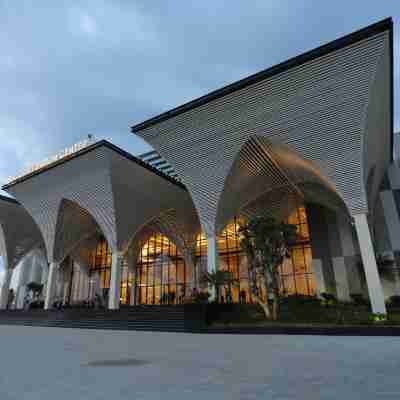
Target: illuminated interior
(162, 276)
(161, 268)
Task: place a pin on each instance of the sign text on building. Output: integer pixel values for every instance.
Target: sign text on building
(51, 160)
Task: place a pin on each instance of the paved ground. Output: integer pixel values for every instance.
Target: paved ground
(51, 363)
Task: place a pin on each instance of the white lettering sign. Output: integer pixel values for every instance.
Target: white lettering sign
(51, 160)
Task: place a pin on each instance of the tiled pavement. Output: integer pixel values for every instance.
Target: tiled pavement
(59, 363)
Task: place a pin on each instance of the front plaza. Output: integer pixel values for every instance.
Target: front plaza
(94, 364)
(308, 142)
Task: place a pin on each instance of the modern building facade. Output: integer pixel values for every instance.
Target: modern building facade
(309, 141)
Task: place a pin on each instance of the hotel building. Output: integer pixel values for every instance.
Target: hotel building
(308, 141)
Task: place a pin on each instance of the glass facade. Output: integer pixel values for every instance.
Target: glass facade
(296, 272)
(100, 265)
(162, 276)
(100, 272)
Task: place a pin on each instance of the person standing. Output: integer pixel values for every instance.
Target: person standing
(27, 301)
(10, 298)
(182, 295)
(229, 296)
(243, 296)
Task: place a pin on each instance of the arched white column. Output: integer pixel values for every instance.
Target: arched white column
(67, 283)
(212, 261)
(369, 262)
(5, 288)
(115, 283)
(132, 269)
(132, 295)
(36, 269)
(45, 274)
(83, 282)
(23, 279)
(51, 285)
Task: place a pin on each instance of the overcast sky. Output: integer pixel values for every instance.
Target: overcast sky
(77, 67)
(72, 68)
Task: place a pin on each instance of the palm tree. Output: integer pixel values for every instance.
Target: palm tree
(36, 288)
(266, 243)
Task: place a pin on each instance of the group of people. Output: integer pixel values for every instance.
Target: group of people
(228, 298)
(10, 299)
(101, 301)
(170, 298)
(13, 298)
(96, 302)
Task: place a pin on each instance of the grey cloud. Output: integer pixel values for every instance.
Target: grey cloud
(69, 68)
(72, 68)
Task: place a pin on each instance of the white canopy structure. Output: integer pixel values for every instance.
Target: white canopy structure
(100, 188)
(319, 125)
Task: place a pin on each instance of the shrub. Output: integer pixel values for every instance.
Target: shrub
(299, 299)
(358, 299)
(201, 297)
(377, 318)
(394, 301)
(35, 287)
(328, 299)
(36, 304)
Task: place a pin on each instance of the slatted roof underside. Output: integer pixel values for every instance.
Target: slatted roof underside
(155, 160)
(321, 108)
(19, 232)
(273, 172)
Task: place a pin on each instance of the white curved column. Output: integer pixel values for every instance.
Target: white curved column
(115, 283)
(67, 283)
(36, 268)
(212, 261)
(24, 272)
(369, 262)
(132, 295)
(132, 270)
(51, 285)
(83, 282)
(5, 288)
(45, 273)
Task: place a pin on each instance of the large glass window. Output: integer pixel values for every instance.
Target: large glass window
(296, 275)
(99, 267)
(162, 276)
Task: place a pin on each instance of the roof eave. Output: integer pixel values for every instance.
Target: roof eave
(371, 30)
(85, 150)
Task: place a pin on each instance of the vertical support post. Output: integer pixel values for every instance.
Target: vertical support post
(317, 267)
(321, 249)
(45, 274)
(5, 288)
(212, 262)
(51, 285)
(133, 288)
(24, 271)
(35, 270)
(371, 270)
(115, 284)
(132, 269)
(82, 284)
(396, 278)
(341, 280)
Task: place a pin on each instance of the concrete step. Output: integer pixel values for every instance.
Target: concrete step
(150, 318)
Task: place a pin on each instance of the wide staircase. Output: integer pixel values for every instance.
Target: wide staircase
(166, 318)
